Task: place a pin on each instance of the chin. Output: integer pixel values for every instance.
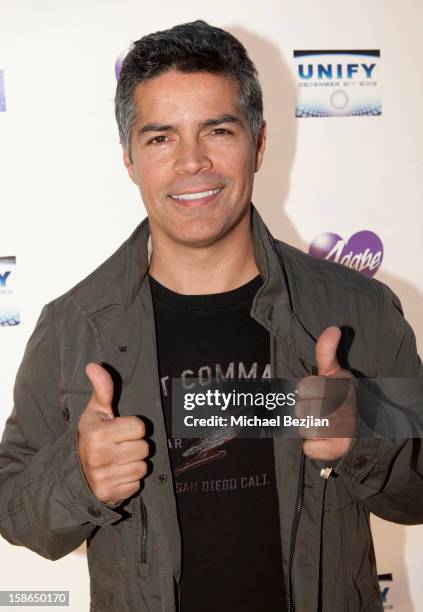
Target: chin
(197, 240)
(198, 233)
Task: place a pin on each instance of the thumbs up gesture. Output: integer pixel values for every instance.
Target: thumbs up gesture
(112, 450)
(330, 394)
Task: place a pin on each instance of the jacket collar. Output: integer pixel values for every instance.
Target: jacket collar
(108, 295)
(119, 279)
(273, 304)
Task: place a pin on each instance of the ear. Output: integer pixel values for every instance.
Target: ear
(129, 166)
(261, 145)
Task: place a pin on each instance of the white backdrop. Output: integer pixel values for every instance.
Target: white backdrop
(66, 202)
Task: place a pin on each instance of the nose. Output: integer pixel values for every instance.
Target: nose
(192, 157)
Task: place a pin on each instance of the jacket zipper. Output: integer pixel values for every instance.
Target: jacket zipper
(300, 488)
(144, 527)
(143, 546)
(297, 515)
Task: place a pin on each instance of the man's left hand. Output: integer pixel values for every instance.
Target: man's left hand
(323, 397)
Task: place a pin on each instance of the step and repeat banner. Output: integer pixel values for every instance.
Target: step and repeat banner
(342, 176)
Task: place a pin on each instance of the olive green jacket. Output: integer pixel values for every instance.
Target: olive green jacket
(134, 549)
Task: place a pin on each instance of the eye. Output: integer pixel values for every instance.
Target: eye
(157, 140)
(221, 131)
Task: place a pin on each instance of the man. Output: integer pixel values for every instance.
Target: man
(265, 524)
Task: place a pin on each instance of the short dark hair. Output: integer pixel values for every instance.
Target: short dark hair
(188, 47)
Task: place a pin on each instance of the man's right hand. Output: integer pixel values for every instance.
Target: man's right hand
(112, 450)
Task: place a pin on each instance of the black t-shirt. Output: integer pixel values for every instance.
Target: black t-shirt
(226, 491)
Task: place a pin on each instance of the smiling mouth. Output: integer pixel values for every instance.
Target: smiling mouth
(200, 195)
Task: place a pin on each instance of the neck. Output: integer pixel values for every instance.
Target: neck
(222, 266)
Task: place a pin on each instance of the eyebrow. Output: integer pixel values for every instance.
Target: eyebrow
(160, 127)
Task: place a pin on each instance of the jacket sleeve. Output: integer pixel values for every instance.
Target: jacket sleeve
(46, 503)
(386, 473)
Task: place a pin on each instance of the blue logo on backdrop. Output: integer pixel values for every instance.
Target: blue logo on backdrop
(336, 83)
(9, 313)
(2, 93)
(384, 590)
(3, 278)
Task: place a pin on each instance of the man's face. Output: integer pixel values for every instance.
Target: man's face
(193, 156)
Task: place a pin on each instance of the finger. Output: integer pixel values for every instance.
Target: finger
(310, 387)
(102, 383)
(127, 490)
(313, 433)
(127, 428)
(325, 351)
(326, 450)
(131, 472)
(340, 423)
(321, 395)
(309, 408)
(121, 485)
(132, 450)
(310, 424)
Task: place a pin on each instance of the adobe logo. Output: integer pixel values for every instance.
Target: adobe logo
(363, 251)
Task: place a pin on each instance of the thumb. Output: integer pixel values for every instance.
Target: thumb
(325, 350)
(102, 383)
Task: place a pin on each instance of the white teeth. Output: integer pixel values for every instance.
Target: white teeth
(195, 196)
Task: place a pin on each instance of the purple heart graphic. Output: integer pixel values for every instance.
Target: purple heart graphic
(362, 252)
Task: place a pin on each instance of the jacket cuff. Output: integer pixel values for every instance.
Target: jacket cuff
(367, 447)
(360, 459)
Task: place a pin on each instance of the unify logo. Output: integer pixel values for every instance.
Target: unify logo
(362, 252)
(337, 83)
(337, 71)
(385, 590)
(313, 68)
(384, 595)
(4, 277)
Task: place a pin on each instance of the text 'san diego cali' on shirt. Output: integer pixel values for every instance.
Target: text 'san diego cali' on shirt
(226, 492)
